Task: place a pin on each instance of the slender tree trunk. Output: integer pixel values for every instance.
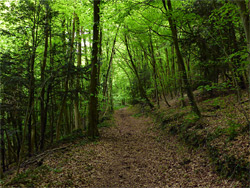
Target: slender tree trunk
(164, 93)
(10, 148)
(141, 89)
(162, 79)
(85, 51)
(182, 94)
(93, 103)
(34, 138)
(67, 129)
(20, 130)
(31, 98)
(111, 93)
(180, 60)
(245, 18)
(58, 123)
(79, 59)
(105, 83)
(173, 70)
(16, 138)
(32, 81)
(99, 60)
(2, 144)
(43, 66)
(154, 71)
(51, 97)
(63, 105)
(26, 122)
(52, 121)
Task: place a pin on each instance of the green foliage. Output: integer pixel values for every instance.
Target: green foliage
(56, 170)
(218, 102)
(117, 107)
(191, 118)
(137, 115)
(233, 129)
(76, 134)
(215, 86)
(29, 176)
(83, 142)
(150, 91)
(218, 132)
(105, 124)
(22, 177)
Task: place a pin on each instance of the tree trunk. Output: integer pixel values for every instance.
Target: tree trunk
(31, 98)
(105, 83)
(2, 145)
(111, 93)
(58, 124)
(245, 18)
(51, 97)
(85, 51)
(154, 71)
(93, 103)
(79, 59)
(141, 89)
(42, 102)
(181, 61)
(173, 70)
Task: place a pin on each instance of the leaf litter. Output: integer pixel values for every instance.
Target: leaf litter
(134, 153)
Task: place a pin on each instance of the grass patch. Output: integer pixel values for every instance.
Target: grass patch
(28, 177)
(137, 115)
(76, 134)
(119, 107)
(233, 129)
(105, 124)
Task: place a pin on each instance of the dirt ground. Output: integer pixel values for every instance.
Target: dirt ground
(134, 153)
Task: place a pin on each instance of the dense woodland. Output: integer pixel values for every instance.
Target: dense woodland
(67, 65)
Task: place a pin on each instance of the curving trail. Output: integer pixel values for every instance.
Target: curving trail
(132, 154)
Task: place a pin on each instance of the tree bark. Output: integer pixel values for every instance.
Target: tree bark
(93, 103)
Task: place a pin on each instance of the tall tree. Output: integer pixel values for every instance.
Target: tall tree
(79, 59)
(180, 60)
(43, 66)
(36, 15)
(245, 17)
(134, 68)
(93, 103)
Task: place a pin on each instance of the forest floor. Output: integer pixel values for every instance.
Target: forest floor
(132, 153)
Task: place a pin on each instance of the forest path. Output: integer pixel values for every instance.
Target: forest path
(132, 154)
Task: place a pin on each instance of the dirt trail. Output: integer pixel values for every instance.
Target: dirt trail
(132, 154)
